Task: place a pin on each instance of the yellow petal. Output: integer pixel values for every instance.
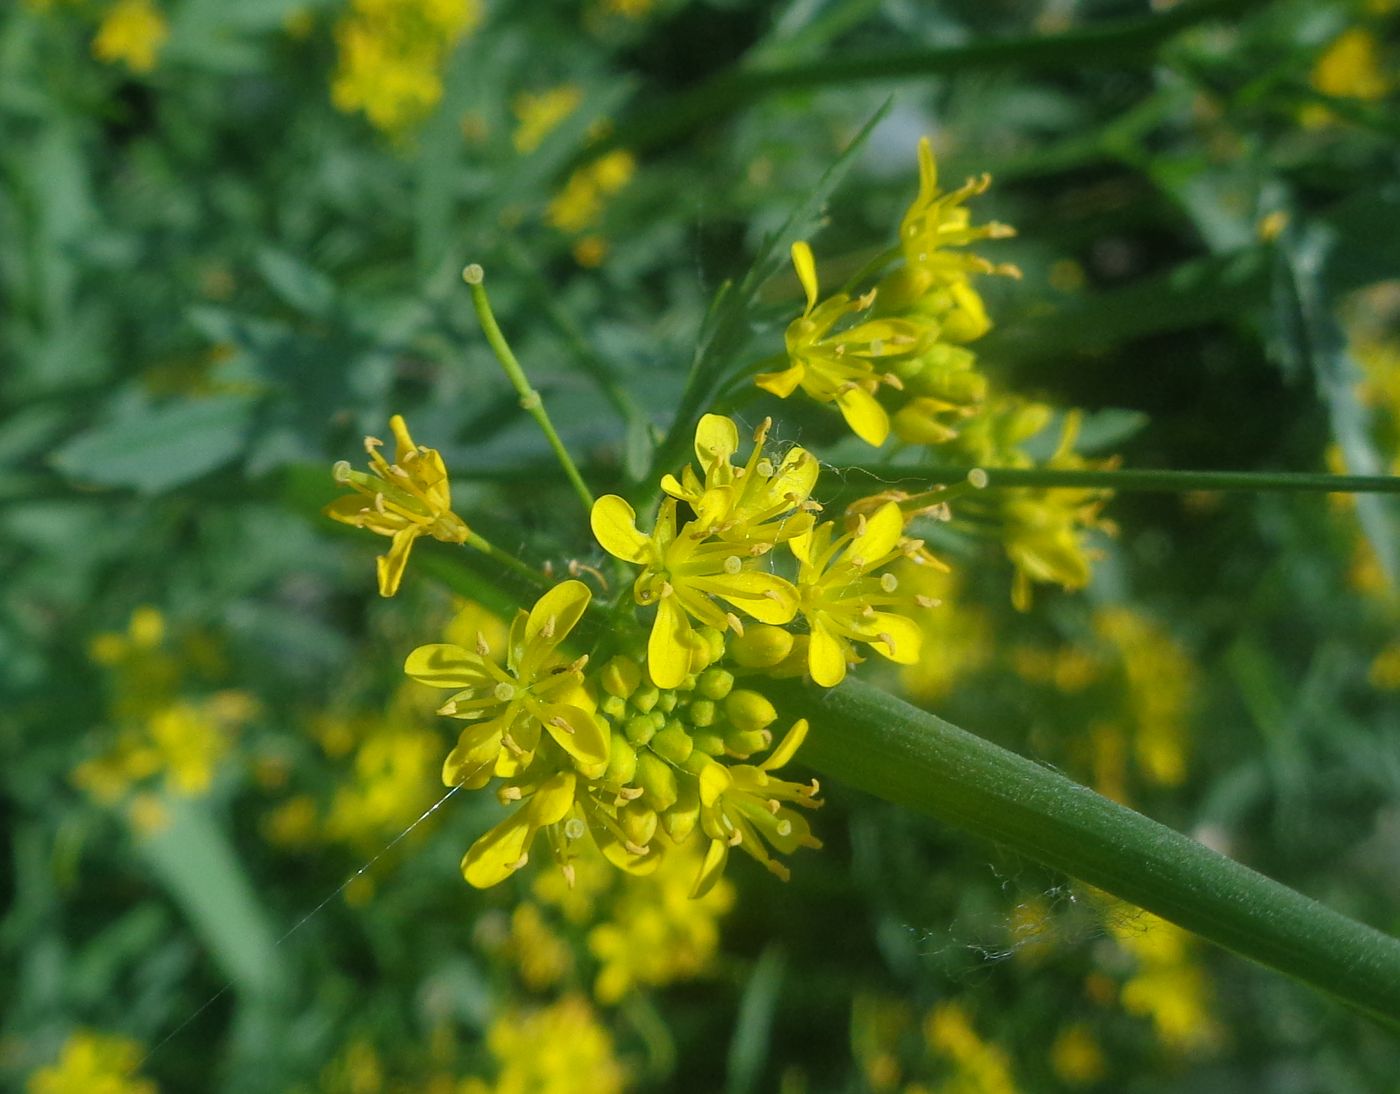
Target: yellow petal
(470, 763)
(623, 859)
(668, 650)
(905, 639)
(615, 528)
(865, 416)
(716, 855)
(499, 853)
(767, 597)
(350, 509)
(787, 747)
(881, 534)
(806, 267)
(553, 800)
(403, 443)
(928, 171)
(716, 440)
(442, 665)
(581, 734)
(782, 384)
(826, 657)
(714, 779)
(391, 566)
(556, 612)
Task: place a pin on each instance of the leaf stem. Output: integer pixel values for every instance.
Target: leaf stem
(871, 740)
(530, 399)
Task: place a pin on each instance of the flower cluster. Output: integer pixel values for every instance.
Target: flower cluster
(391, 57)
(653, 734)
(896, 359)
(132, 33)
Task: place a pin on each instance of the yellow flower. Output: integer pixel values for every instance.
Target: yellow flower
(757, 503)
(1168, 988)
(559, 1049)
(509, 704)
(132, 32)
(839, 594)
(981, 1067)
(741, 805)
(406, 499)
(1076, 1056)
(579, 205)
(541, 956)
(683, 571)
(654, 933)
(93, 1063)
(391, 57)
(935, 222)
(539, 114)
(1351, 67)
(839, 366)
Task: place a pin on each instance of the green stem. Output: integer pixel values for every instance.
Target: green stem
(880, 744)
(527, 574)
(530, 399)
(1122, 481)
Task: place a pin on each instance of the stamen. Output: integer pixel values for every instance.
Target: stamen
(559, 723)
(482, 647)
(735, 623)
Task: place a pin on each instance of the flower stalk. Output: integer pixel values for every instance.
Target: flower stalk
(530, 399)
(878, 743)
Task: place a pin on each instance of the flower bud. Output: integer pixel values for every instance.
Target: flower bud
(707, 744)
(714, 683)
(614, 706)
(679, 821)
(658, 781)
(638, 821)
(672, 743)
(748, 710)
(667, 703)
(622, 761)
(760, 646)
(701, 713)
(644, 698)
(708, 648)
(621, 677)
(640, 728)
(743, 743)
(918, 422)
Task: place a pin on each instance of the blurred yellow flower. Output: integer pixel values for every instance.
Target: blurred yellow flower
(408, 498)
(539, 113)
(654, 932)
(391, 57)
(1351, 67)
(1076, 1056)
(980, 1066)
(542, 958)
(131, 32)
(559, 1049)
(579, 205)
(1169, 987)
(93, 1063)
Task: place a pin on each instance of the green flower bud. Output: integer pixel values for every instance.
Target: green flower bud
(708, 743)
(749, 710)
(638, 822)
(667, 702)
(701, 713)
(640, 728)
(672, 743)
(680, 820)
(658, 781)
(621, 677)
(644, 698)
(760, 646)
(714, 683)
(696, 762)
(614, 706)
(922, 421)
(743, 743)
(622, 761)
(708, 648)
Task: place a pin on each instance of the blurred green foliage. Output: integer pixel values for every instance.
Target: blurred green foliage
(221, 265)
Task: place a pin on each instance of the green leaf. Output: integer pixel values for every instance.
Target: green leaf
(194, 860)
(298, 285)
(155, 448)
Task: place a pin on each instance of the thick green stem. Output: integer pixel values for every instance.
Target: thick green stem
(871, 740)
(1125, 480)
(530, 399)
